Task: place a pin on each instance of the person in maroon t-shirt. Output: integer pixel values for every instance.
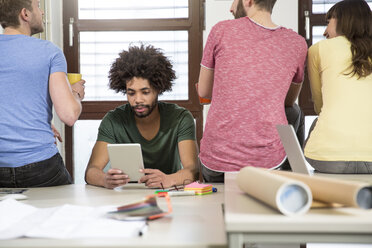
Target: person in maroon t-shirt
(294, 114)
(251, 67)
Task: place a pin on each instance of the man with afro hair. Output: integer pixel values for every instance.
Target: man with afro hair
(165, 131)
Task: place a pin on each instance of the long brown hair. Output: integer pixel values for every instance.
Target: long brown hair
(354, 21)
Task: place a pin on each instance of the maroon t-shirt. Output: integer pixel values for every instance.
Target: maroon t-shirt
(253, 69)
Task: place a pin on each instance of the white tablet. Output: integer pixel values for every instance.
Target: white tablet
(128, 158)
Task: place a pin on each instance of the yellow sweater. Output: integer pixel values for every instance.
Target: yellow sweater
(344, 104)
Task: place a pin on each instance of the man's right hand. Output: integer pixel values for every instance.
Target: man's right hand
(79, 89)
(115, 178)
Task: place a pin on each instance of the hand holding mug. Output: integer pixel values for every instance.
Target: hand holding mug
(202, 100)
(77, 84)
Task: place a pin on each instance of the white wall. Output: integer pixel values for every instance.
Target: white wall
(54, 27)
(55, 22)
(285, 13)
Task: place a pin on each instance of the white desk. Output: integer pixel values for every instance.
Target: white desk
(248, 220)
(196, 221)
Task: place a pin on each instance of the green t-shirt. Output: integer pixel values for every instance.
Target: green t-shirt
(176, 124)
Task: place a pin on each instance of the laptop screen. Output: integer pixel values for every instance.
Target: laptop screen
(293, 149)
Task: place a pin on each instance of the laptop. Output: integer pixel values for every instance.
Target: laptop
(293, 150)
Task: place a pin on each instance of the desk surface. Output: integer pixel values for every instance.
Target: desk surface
(259, 223)
(196, 221)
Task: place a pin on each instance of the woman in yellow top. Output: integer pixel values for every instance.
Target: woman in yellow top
(340, 72)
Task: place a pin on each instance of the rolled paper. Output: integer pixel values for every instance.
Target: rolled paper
(288, 196)
(331, 190)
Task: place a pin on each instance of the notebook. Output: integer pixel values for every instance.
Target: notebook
(293, 150)
(199, 188)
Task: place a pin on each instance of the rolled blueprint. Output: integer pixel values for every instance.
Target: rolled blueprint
(288, 196)
(331, 190)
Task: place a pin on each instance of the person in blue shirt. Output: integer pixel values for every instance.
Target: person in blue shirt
(32, 81)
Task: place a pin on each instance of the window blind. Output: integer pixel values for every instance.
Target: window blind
(98, 50)
(133, 9)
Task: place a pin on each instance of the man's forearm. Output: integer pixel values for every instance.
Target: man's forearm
(183, 176)
(94, 176)
(205, 85)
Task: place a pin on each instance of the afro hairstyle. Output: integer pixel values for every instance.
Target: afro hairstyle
(145, 62)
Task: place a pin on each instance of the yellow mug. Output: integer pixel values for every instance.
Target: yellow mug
(74, 77)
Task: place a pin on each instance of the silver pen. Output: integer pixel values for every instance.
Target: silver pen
(143, 229)
(181, 193)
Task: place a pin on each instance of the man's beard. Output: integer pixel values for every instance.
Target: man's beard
(240, 11)
(150, 108)
(37, 29)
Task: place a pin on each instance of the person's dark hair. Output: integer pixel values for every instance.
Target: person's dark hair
(144, 62)
(354, 21)
(267, 5)
(10, 9)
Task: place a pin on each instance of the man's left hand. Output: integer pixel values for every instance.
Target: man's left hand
(154, 178)
(57, 135)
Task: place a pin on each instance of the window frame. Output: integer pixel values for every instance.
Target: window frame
(95, 110)
(305, 99)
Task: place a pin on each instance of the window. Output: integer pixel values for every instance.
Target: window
(99, 49)
(95, 31)
(133, 9)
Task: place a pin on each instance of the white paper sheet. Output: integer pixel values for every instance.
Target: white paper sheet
(64, 222)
